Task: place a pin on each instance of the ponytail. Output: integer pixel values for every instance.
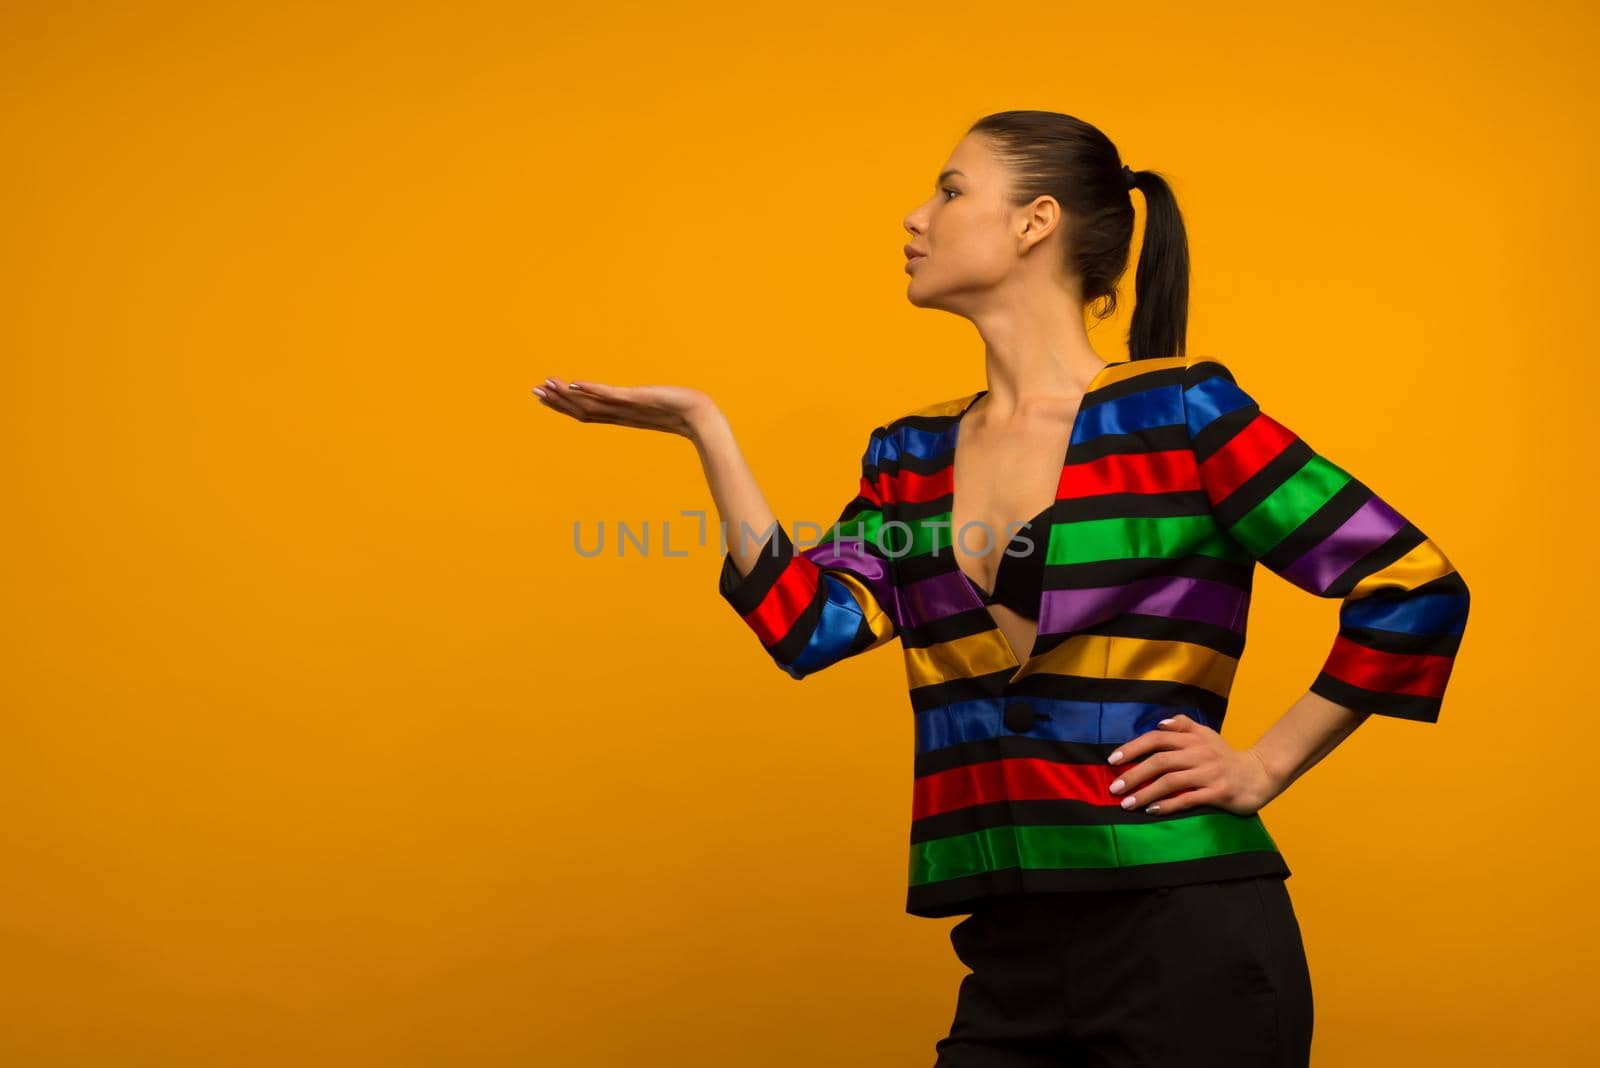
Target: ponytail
(1051, 154)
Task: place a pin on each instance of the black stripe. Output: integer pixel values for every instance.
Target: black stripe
(1315, 529)
(1261, 485)
(1204, 369)
(1166, 438)
(1095, 573)
(746, 593)
(1400, 706)
(953, 897)
(939, 694)
(1061, 812)
(1396, 546)
(980, 750)
(1165, 628)
(789, 647)
(1165, 505)
(1393, 641)
(947, 628)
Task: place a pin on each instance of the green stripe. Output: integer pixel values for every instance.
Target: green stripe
(926, 536)
(865, 524)
(1290, 505)
(1086, 541)
(1056, 846)
(1089, 541)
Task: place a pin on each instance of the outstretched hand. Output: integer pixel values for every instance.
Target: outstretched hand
(673, 409)
(1185, 764)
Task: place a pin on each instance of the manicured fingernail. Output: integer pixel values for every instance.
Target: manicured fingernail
(1129, 801)
(1153, 808)
(1117, 785)
(1114, 757)
(573, 385)
(550, 381)
(539, 391)
(1165, 722)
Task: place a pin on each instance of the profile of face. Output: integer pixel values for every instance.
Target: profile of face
(968, 240)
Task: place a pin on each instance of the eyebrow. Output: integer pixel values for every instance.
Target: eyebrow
(945, 174)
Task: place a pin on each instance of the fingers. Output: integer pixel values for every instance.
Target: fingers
(574, 400)
(1148, 770)
(1184, 799)
(602, 391)
(554, 397)
(1174, 782)
(1150, 741)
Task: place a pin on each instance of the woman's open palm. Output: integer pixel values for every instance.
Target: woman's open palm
(667, 408)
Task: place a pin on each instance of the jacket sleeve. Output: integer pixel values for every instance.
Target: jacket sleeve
(1308, 520)
(814, 607)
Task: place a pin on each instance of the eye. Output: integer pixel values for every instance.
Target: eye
(947, 189)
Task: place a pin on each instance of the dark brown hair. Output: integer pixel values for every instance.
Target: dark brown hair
(1064, 157)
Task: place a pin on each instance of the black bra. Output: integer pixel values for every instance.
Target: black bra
(1019, 581)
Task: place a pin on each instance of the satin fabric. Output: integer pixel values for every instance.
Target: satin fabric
(1174, 486)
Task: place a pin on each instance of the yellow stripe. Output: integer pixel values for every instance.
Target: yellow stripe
(1150, 660)
(878, 621)
(963, 658)
(954, 406)
(1422, 564)
(1139, 367)
(1083, 655)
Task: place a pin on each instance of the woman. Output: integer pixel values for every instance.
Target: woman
(1074, 796)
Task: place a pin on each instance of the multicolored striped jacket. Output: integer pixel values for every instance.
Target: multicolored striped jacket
(1175, 484)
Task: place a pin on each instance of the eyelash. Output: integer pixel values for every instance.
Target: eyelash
(947, 189)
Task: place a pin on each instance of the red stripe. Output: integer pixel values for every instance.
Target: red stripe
(1013, 779)
(1246, 453)
(1147, 472)
(912, 487)
(1416, 674)
(790, 595)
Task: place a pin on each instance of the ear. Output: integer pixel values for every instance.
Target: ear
(1038, 220)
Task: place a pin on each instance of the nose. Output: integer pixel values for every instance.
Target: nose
(910, 224)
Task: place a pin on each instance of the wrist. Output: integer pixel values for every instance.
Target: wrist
(1274, 780)
(703, 420)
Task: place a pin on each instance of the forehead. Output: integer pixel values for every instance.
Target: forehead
(969, 157)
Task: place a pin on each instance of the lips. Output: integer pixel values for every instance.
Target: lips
(913, 253)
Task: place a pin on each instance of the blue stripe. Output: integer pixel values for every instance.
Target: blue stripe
(1145, 410)
(837, 626)
(1212, 399)
(1088, 722)
(922, 444)
(1154, 407)
(1426, 613)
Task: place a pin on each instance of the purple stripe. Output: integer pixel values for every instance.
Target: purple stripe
(1065, 611)
(847, 554)
(937, 597)
(1373, 524)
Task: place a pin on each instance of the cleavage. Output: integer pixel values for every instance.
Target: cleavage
(1007, 560)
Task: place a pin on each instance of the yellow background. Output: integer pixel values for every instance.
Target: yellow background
(324, 747)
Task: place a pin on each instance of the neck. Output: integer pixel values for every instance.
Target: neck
(1035, 353)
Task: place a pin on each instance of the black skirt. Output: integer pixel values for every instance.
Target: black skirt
(1195, 975)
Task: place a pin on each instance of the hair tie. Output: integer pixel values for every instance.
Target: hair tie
(1128, 179)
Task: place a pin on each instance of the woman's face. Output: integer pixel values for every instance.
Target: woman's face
(970, 237)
